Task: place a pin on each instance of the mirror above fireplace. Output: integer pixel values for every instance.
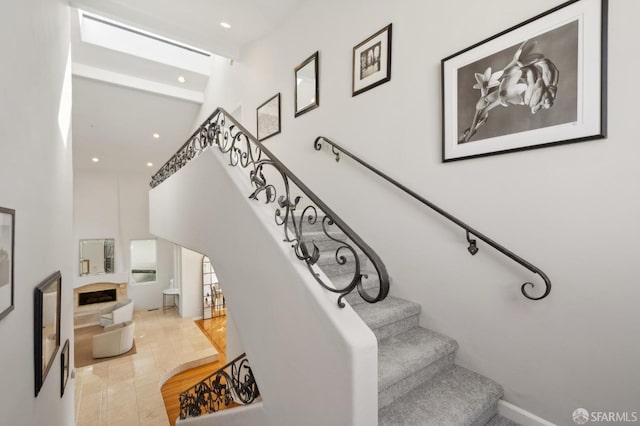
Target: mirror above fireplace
(97, 256)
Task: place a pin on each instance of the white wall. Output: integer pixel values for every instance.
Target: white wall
(36, 180)
(233, 339)
(97, 215)
(572, 210)
(112, 205)
(191, 305)
(222, 90)
(293, 331)
(189, 273)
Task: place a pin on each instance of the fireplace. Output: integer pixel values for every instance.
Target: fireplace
(100, 296)
(91, 300)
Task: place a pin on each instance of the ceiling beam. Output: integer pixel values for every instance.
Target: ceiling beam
(99, 74)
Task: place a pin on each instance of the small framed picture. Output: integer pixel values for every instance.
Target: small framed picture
(540, 83)
(7, 244)
(307, 93)
(64, 368)
(268, 117)
(372, 62)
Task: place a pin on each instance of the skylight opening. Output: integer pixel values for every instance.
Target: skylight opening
(117, 36)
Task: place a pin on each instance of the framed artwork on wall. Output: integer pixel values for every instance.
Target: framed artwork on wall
(64, 367)
(7, 245)
(307, 93)
(372, 62)
(540, 83)
(46, 326)
(268, 117)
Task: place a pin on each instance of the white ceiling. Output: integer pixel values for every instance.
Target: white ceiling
(120, 100)
(116, 124)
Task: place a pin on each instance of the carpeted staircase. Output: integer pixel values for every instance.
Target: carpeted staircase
(418, 381)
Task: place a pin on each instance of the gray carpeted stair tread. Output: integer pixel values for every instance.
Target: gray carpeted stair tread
(457, 397)
(418, 383)
(498, 420)
(389, 317)
(319, 234)
(371, 285)
(331, 268)
(405, 354)
(329, 257)
(324, 241)
(309, 227)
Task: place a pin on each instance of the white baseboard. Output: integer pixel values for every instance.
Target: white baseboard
(521, 416)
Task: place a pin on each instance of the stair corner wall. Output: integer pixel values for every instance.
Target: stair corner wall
(315, 364)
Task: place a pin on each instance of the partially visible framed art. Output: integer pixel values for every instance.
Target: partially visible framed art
(268, 117)
(7, 244)
(64, 368)
(540, 83)
(46, 326)
(372, 62)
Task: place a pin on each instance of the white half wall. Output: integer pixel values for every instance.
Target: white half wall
(248, 415)
(36, 181)
(315, 364)
(572, 210)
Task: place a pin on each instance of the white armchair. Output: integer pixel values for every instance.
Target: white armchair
(119, 313)
(116, 340)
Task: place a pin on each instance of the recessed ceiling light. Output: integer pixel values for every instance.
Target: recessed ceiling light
(95, 159)
(181, 79)
(149, 164)
(225, 25)
(156, 136)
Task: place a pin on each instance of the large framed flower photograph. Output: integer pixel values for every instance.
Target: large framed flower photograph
(540, 83)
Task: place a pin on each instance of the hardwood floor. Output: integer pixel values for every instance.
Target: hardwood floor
(215, 330)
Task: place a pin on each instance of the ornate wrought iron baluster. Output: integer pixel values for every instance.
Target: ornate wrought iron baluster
(231, 385)
(274, 184)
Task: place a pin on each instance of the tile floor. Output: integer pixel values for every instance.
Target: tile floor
(126, 391)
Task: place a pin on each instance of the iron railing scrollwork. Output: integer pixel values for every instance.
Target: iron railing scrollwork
(297, 208)
(469, 231)
(231, 385)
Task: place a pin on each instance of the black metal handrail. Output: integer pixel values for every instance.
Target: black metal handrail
(245, 150)
(231, 385)
(473, 249)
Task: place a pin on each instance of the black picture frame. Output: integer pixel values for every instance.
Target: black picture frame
(372, 62)
(64, 367)
(7, 250)
(306, 85)
(542, 82)
(268, 118)
(46, 332)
